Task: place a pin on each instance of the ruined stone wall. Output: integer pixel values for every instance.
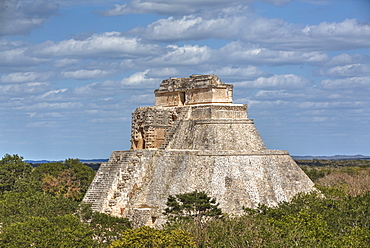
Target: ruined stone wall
(150, 125)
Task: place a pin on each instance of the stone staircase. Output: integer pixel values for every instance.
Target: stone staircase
(105, 179)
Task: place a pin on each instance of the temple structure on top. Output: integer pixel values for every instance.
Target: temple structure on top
(196, 89)
(194, 138)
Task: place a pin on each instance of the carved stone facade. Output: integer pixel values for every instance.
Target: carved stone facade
(149, 126)
(196, 89)
(193, 139)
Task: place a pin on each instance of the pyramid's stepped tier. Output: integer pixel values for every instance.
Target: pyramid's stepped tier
(211, 127)
(193, 139)
(204, 127)
(235, 178)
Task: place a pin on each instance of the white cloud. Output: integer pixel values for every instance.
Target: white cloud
(353, 82)
(18, 57)
(332, 105)
(52, 95)
(25, 77)
(70, 3)
(193, 27)
(248, 72)
(167, 7)
(252, 54)
(106, 45)
(265, 104)
(276, 33)
(337, 31)
(65, 62)
(147, 99)
(137, 79)
(20, 17)
(85, 74)
(235, 24)
(178, 7)
(163, 72)
(51, 105)
(185, 55)
(347, 71)
(88, 90)
(276, 81)
(249, 27)
(9, 45)
(23, 89)
(279, 94)
(344, 59)
(347, 34)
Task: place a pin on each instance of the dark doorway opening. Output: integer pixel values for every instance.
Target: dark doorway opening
(182, 98)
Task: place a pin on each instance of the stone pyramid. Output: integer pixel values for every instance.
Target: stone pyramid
(194, 138)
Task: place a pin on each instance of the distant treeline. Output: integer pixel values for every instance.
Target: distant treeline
(94, 166)
(334, 163)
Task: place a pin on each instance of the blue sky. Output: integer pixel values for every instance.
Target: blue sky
(72, 72)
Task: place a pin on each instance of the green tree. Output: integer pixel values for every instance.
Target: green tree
(150, 237)
(194, 205)
(83, 173)
(18, 206)
(65, 184)
(12, 169)
(69, 179)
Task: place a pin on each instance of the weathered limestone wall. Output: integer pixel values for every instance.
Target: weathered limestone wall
(237, 180)
(220, 111)
(216, 127)
(239, 136)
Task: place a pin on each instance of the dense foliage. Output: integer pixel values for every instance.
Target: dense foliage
(150, 237)
(41, 207)
(307, 221)
(60, 231)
